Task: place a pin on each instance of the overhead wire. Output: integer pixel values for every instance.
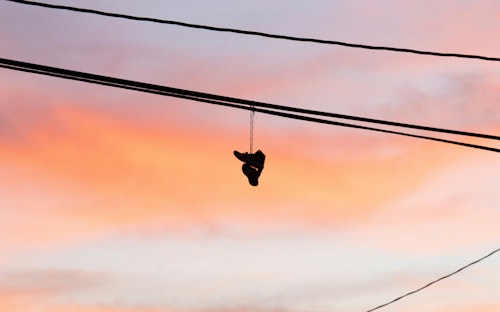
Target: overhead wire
(243, 101)
(257, 33)
(435, 281)
(269, 109)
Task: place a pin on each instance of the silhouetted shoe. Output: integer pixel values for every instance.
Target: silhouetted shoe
(251, 173)
(256, 160)
(259, 158)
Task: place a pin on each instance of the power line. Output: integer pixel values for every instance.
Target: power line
(341, 124)
(433, 282)
(141, 85)
(256, 33)
(195, 96)
(203, 97)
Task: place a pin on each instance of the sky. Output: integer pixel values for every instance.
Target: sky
(118, 201)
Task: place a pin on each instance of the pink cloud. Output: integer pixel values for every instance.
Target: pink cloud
(469, 102)
(39, 290)
(51, 281)
(479, 308)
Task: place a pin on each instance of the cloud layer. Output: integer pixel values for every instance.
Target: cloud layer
(116, 201)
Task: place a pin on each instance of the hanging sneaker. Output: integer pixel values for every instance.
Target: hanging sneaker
(244, 157)
(256, 160)
(251, 173)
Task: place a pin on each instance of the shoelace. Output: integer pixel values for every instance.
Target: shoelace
(252, 114)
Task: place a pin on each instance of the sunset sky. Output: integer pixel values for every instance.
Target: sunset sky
(119, 201)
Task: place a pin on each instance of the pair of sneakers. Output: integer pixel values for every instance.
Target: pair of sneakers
(253, 165)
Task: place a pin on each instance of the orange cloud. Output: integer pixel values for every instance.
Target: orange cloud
(77, 171)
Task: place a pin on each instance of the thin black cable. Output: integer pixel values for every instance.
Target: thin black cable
(256, 33)
(335, 123)
(433, 282)
(166, 91)
(241, 101)
(172, 92)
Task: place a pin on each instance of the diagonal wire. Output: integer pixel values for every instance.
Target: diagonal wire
(433, 282)
(242, 101)
(167, 91)
(197, 96)
(257, 33)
